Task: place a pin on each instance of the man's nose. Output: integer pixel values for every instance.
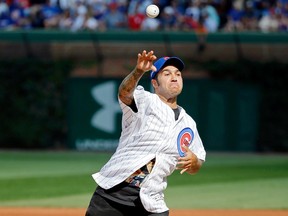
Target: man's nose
(174, 77)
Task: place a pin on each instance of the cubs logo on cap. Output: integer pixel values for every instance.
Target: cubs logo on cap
(185, 137)
(165, 61)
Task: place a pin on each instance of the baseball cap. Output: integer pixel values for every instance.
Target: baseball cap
(165, 61)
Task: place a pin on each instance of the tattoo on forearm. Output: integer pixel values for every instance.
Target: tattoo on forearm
(129, 83)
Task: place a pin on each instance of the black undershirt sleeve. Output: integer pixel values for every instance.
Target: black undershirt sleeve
(133, 106)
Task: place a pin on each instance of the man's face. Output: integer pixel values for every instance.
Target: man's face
(169, 82)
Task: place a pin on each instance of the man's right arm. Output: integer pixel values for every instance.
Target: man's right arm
(128, 85)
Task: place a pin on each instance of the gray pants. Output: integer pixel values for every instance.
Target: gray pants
(100, 206)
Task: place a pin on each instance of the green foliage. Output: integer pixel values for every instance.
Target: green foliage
(33, 103)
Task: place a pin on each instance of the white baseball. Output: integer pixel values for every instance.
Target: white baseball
(152, 11)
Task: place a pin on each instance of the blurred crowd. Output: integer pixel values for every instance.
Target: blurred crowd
(175, 15)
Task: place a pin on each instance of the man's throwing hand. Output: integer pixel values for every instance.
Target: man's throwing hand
(145, 61)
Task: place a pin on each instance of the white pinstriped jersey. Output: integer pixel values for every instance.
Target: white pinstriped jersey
(149, 133)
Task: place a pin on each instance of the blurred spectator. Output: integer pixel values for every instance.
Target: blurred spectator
(114, 18)
(168, 19)
(4, 14)
(51, 13)
(249, 19)
(281, 12)
(122, 6)
(99, 8)
(65, 21)
(36, 17)
(192, 16)
(193, 10)
(134, 6)
(172, 17)
(222, 8)
(18, 16)
(235, 16)
(138, 6)
(209, 16)
(80, 12)
(175, 15)
(268, 22)
(150, 24)
(90, 23)
(4, 9)
(135, 18)
(65, 4)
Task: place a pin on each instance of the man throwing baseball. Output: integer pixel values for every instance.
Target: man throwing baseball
(157, 137)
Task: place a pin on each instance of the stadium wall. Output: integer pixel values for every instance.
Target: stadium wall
(235, 79)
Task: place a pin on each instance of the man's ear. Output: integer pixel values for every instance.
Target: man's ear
(154, 83)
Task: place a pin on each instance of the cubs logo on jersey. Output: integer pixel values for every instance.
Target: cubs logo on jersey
(185, 137)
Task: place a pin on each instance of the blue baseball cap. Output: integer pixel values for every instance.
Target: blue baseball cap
(165, 61)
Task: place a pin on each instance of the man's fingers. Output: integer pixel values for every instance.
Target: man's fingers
(183, 170)
(150, 53)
